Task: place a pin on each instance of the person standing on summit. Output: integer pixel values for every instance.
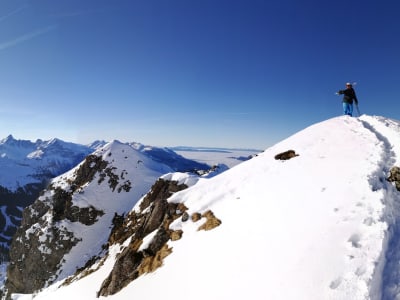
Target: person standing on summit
(349, 96)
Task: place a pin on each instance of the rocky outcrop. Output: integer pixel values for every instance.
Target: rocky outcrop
(155, 216)
(25, 169)
(394, 176)
(211, 221)
(42, 253)
(11, 204)
(286, 155)
(41, 241)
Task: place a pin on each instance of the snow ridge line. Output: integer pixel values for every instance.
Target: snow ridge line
(386, 278)
(387, 161)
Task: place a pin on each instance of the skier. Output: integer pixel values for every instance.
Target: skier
(349, 96)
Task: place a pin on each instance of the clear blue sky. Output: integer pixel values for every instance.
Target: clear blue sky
(224, 73)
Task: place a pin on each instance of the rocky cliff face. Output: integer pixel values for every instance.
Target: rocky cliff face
(37, 254)
(155, 214)
(71, 225)
(25, 169)
(41, 241)
(150, 221)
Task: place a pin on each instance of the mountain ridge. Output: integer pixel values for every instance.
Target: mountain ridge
(26, 168)
(321, 225)
(73, 204)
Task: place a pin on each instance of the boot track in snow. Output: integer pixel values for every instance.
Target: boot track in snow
(385, 283)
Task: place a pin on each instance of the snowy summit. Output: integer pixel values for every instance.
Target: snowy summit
(321, 225)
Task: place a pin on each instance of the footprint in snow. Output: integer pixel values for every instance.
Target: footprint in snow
(361, 270)
(334, 284)
(368, 221)
(355, 240)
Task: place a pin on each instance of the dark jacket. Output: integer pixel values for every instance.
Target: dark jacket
(349, 95)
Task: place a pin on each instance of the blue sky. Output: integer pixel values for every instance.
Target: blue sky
(219, 73)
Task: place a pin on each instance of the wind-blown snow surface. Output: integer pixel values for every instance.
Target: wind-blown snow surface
(319, 226)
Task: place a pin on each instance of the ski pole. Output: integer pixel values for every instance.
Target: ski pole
(358, 110)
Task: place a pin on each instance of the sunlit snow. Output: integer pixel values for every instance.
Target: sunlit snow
(319, 226)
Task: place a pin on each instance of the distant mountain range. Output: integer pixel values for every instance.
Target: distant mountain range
(24, 162)
(27, 167)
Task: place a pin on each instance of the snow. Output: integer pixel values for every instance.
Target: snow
(319, 226)
(3, 271)
(142, 175)
(8, 223)
(21, 161)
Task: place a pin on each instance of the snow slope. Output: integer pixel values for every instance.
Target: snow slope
(319, 226)
(134, 168)
(22, 162)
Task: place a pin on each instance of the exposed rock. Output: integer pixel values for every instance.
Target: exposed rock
(394, 176)
(42, 252)
(161, 190)
(196, 217)
(181, 208)
(63, 209)
(132, 263)
(125, 227)
(85, 173)
(41, 242)
(152, 263)
(156, 214)
(162, 236)
(13, 203)
(125, 270)
(176, 235)
(286, 155)
(211, 221)
(185, 217)
(33, 167)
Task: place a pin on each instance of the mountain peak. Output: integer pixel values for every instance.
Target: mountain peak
(322, 225)
(97, 144)
(8, 139)
(54, 140)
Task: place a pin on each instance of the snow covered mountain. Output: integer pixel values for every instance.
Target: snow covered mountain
(84, 202)
(24, 162)
(320, 225)
(25, 169)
